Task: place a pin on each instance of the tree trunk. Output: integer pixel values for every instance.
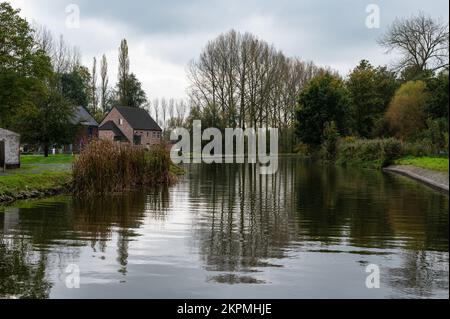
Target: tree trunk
(46, 150)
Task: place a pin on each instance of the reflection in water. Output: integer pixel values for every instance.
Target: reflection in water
(226, 231)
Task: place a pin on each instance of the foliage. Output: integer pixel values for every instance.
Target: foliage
(371, 90)
(107, 167)
(438, 103)
(75, 86)
(373, 153)
(325, 99)
(48, 121)
(133, 95)
(330, 140)
(22, 67)
(104, 80)
(406, 113)
(433, 163)
(129, 90)
(302, 149)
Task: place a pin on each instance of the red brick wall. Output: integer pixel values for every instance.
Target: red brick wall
(115, 117)
(149, 138)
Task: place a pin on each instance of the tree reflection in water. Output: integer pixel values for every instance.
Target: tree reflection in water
(241, 224)
(250, 220)
(53, 231)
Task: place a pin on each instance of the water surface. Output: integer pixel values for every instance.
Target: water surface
(224, 231)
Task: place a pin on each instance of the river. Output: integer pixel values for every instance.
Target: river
(224, 231)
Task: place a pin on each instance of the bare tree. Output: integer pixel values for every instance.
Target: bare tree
(422, 42)
(181, 112)
(43, 39)
(104, 83)
(124, 71)
(64, 58)
(171, 108)
(164, 113)
(240, 80)
(94, 99)
(156, 109)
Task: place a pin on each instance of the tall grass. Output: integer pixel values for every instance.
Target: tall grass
(108, 167)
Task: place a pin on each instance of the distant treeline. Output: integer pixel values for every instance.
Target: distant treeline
(242, 81)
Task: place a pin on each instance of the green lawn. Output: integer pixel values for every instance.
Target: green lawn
(52, 159)
(433, 163)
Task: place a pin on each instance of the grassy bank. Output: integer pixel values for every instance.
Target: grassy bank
(18, 186)
(38, 176)
(95, 172)
(432, 163)
(379, 153)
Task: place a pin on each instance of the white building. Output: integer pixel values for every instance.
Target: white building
(9, 149)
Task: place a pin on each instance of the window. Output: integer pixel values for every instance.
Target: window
(120, 122)
(137, 140)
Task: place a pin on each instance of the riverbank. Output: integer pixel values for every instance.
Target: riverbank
(433, 178)
(41, 177)
(33, 185)
(38, 177)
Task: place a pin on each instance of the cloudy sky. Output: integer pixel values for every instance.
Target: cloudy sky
(164, 36)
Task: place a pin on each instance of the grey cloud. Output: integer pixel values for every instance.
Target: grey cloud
(329, 32)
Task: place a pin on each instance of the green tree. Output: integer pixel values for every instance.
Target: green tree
(438, 104)
(128, 90)
(124, 73)
(324, 100)
(135, 96)
(371, 89)
(49, 120)
(22, 68)
(75, 86)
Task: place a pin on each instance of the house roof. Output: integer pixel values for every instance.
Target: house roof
(138, 118)
(83, 117)
(111, 126)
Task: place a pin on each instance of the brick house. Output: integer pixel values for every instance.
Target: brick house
(130, 125)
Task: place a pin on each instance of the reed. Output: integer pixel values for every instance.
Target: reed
(108, 167)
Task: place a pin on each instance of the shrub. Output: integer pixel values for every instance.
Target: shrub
(372, 153)
(302, 149)
(406, 112)
(108, 167)
(419, 148)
